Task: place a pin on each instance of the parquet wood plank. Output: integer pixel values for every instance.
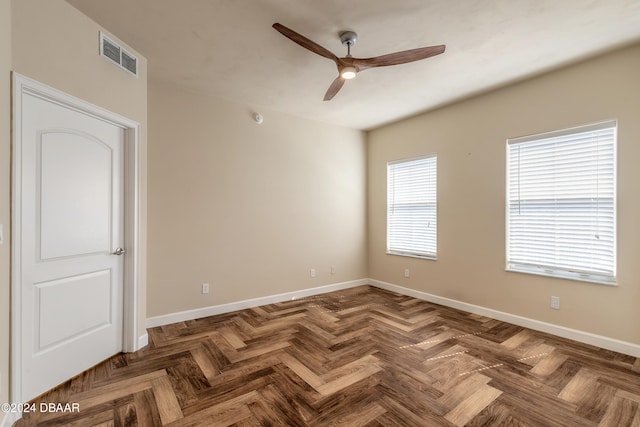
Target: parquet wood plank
(166, 400)
(125, 416)
(407, 393)
(527, 412)
(548, 364)
(463, 390)
(361, 356)
(363, 370)
(519, 384)
(303, 371)
(232, 338)
(517, 339)
(224, 413)
(472, 405)
(92, 401)
(104, 418)
(147, 412)
(238, 386)
(620, 412)
(301, 397)
(595, 402)
(361, 417)
(332, 408)
(285, 409)
(398, 414)
(574, 391)
(507, 415)
(205, 363)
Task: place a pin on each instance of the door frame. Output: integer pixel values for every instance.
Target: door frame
(21, 86)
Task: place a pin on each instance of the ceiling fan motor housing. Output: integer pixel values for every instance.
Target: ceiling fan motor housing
(348, 38)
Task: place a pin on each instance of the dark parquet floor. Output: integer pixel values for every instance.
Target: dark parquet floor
(358, 357)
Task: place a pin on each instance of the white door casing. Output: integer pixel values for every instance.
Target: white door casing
(75, 194)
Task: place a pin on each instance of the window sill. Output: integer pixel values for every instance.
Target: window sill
(413, 255)
(561, 274)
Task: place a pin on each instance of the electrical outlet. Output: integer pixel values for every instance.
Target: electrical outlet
(407, 273)
(555, 303)
(312, 273)
(333, 269)
(205, 288)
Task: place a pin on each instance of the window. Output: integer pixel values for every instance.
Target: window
(412, 207)
(561, 206)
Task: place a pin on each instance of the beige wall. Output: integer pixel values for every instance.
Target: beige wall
(248, 208)
(57, 45)
(469, 139)
(5, 191)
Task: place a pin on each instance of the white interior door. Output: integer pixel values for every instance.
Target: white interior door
(71, 224)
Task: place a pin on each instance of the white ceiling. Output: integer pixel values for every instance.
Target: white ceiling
(227, 48)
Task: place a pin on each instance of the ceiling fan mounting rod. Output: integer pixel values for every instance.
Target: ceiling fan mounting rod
(348, 38)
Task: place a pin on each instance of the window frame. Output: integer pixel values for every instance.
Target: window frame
(565, 273)
(410, 253)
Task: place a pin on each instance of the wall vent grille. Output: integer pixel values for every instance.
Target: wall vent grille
(129, 63)
(116, 54)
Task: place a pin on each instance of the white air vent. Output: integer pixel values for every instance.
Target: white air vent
(116, 54)
(129, 63)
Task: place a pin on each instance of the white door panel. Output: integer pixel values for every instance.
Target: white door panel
(75, 195)
(59, 319)
(71, 222)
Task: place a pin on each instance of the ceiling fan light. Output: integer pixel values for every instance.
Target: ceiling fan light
(348, 73)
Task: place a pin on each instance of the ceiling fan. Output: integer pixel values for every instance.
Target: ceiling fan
(349, 66)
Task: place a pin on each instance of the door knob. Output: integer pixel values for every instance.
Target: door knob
(118, 251)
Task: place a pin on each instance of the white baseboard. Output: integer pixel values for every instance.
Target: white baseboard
(255, 302)
(561, 331)
(143, 341)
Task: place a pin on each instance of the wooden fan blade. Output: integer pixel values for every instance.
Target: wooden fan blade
(399, 57)
(334, 88)
(305, 42)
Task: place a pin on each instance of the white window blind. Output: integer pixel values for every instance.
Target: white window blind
(412, 207)
(561, 205)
